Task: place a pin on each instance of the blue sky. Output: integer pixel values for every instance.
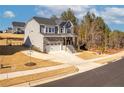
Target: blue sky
(113, 15)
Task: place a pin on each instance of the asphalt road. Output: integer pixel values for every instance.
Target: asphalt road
(111, 75)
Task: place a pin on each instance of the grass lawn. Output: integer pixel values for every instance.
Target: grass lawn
(23, 79)
(89, 55)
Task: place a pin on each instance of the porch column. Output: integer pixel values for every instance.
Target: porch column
(65, 44)
(65, 41)
(64, 30)
(62, 43)
(74, 40)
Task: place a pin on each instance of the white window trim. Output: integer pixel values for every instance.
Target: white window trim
(43, 29)
(53, 30)
(49, 30)
(62, 30)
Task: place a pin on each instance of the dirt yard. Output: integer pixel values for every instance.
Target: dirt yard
(13, 60)
(108, 51)
(92, 55)
(89, 55)
(115, 57)
(17, 61)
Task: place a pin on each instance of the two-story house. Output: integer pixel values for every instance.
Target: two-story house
(18, 27)
(50, 35)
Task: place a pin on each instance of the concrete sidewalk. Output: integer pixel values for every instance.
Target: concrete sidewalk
(29, 72)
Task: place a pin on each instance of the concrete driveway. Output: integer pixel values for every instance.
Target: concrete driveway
(61, 56)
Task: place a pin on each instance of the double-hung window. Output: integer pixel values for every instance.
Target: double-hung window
(46, 30)
(53, 30)
(42, 28)
(62, 30)
(49, 30)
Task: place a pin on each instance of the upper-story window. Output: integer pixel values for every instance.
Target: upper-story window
(62, 30)
(53, 30)
(49, 30)
(46, 30)
(42, 28)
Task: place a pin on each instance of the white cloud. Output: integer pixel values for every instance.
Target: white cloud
(118, 21)
(110, 14)
(47, 11)
(114, 11)
(113, 15)
(8, 14)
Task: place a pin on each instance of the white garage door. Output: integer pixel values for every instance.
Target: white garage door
(51, 48)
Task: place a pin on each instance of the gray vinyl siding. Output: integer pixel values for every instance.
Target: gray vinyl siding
(35, 37)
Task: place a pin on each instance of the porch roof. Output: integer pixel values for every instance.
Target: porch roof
(60, 35)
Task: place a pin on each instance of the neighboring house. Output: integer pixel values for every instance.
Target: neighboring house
(50, 35)
(18, 27)
(9, 30)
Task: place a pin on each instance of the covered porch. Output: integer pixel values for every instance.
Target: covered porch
(58, 43)
(65, 39)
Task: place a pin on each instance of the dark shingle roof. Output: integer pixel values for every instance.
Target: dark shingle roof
(62, 24)
(47, 21)
(20, 24)
(68, 24)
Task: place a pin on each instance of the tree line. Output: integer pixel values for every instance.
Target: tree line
(93, 32)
